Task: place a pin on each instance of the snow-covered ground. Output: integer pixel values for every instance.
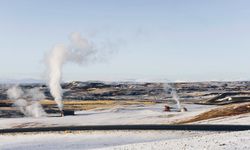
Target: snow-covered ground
(152, 114)
(217, 141)
(125, 140)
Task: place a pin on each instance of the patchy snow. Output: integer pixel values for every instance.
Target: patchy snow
(125, 140)
(242, 119)
(137, 114)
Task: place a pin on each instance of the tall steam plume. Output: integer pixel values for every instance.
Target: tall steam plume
(80, 51)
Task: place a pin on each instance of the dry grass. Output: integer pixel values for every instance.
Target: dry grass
(85, 104)
(6, 101)
(222, 111)
(76, 102)
(94, 104)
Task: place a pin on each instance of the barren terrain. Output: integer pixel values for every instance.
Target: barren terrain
(98, 103)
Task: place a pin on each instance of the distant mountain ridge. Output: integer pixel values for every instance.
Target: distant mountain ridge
(20, 81)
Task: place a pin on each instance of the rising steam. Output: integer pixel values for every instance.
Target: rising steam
(173, 94)
(27, 101)
(80, 51)
(56, 59)
(176, 98)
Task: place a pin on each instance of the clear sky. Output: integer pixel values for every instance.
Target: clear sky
(169, 39)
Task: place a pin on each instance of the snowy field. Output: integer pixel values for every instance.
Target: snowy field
(127, 140)
(152, 114)
(205, 141)
(124, 140)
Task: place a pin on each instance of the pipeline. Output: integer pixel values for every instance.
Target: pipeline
(131, 127)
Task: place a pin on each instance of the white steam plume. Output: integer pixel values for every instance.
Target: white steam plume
(173, 94)
(176, 98)
(80, 51)
(56, 59)
(27, 101)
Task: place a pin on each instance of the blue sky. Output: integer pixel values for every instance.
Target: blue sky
(176, 40)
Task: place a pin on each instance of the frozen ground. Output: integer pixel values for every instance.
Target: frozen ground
(152, 114)
(125, 140)
(86, 140)
(215, 141)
